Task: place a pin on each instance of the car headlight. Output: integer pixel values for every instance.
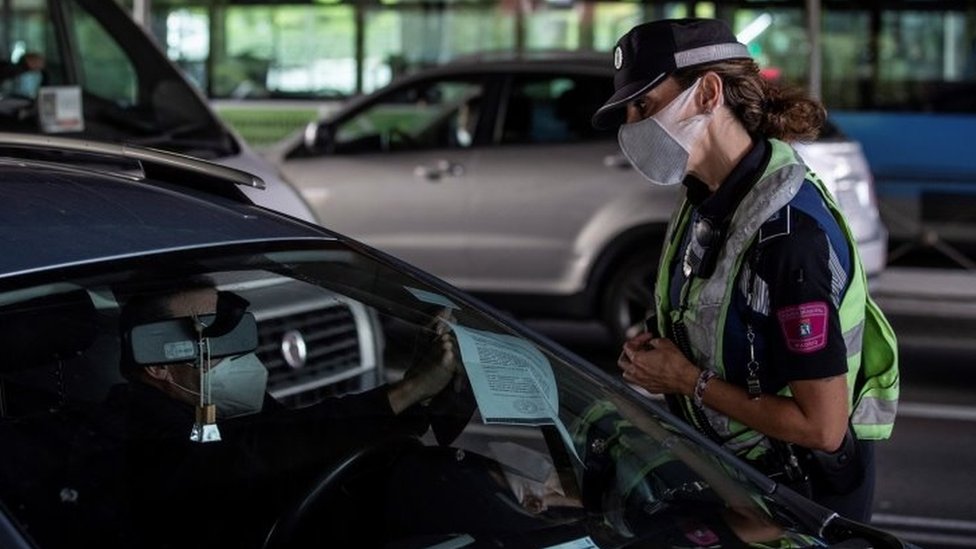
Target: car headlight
(845, 173)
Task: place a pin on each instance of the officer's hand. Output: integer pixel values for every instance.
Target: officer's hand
(656, 364)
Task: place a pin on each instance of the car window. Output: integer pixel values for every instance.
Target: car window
(27, 30)
(103, 425)
(104, 68)
(553, 109)
(430, 115)
(102, 78)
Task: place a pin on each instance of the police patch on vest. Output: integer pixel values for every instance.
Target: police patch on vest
(804, 326)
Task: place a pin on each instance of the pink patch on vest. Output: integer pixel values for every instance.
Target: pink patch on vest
(804, 326)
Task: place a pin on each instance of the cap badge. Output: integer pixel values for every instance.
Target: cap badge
(618, 58)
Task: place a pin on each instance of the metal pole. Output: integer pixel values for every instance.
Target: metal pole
(218, 44)
(523, 7)
(141, 10)
(359, 47)
(816, 54)
(6, 30)
(586, 26)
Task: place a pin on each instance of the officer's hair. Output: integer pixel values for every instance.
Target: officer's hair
(765, 109)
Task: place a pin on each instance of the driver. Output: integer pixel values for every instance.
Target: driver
(181, 381)
(267, 453)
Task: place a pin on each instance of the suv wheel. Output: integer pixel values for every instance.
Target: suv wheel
(629, 296)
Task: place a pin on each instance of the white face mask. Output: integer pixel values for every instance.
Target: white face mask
(659, 146)
(237, 386)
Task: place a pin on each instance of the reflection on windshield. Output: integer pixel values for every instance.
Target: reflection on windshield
(347, 403)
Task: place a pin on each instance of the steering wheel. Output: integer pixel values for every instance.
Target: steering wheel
(374, 454)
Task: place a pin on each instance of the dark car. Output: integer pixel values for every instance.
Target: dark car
(529, 446)
(489, 174)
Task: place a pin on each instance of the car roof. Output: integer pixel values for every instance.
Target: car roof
(590, 63)
(58, 215)
(535, 59)
(485, 64)
(538, 62)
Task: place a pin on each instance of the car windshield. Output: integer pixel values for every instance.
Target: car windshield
(117, 430)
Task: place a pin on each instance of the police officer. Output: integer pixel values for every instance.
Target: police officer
(767, 340)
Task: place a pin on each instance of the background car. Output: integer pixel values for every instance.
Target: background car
(128, 91)
(529, 447)
(489, 174)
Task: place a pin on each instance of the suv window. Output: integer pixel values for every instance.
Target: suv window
(101, 66)
(26, 29)
(129, 91)
(553, 109)
(104, 68)
(427, 115)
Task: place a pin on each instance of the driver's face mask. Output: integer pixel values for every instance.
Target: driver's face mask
(237, 385)
(659, 146)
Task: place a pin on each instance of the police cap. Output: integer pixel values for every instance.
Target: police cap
(649, 52)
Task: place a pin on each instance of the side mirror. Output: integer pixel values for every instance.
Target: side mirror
(317, 137)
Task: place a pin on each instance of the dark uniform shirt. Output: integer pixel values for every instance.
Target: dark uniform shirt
(802, 262)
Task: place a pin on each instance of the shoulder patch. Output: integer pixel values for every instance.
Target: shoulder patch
(804, 326)
(779, 224)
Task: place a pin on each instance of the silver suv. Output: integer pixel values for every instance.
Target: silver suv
(490, 175)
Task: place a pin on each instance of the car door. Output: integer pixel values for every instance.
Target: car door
(553, 190)
(394, 171)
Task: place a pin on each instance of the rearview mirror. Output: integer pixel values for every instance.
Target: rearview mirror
(171, 341)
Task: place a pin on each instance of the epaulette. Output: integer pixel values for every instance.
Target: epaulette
(779, 224)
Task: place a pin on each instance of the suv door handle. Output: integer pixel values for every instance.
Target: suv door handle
(443, 168)
(618, 161)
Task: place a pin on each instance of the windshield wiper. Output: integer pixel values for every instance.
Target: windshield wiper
(171, 140)
(140, 131)
(175, 133)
